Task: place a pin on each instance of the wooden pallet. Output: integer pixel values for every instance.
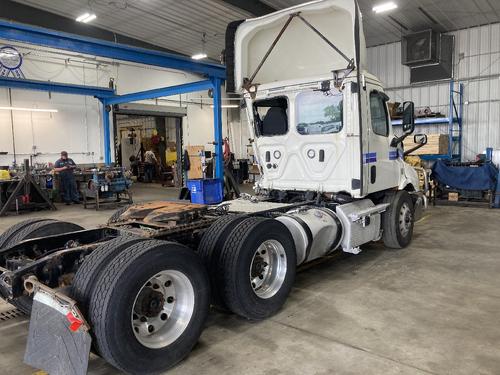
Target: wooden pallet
(437, 144)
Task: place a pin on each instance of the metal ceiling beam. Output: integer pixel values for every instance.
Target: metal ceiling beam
(214, 83)
(255, 7)
(91, 46)
(63, 88)
(161, 92)
(22, 13)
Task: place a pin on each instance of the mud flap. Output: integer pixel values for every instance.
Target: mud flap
(58, 339)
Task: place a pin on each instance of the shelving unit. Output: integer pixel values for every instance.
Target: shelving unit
(454, 121)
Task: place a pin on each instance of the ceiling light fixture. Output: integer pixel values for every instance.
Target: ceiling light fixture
(29, 109)
(199, 56)
(86, 17)
(227, 106)
(385, 7)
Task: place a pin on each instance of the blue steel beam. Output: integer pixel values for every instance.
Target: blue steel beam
(75, 43)
(106, 133)
(63, 88)
(219, 157)
(158, 93)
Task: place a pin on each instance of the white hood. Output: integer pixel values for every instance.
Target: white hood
(300, 53)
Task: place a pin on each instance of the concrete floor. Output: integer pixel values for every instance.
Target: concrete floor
(432, 308)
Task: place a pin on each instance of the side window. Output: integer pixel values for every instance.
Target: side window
(378, 110)
(271, 117)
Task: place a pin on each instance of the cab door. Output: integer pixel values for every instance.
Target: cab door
(381, 160)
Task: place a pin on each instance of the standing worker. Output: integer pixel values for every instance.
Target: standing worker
(149, 165)
(65, 167)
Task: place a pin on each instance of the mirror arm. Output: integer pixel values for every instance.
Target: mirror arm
(408, 152)
(397, 140)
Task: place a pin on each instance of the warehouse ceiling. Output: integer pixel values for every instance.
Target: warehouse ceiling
(417, 15)
(189, 27)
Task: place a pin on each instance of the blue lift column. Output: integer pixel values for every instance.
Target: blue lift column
(219, 156)
(106, 133)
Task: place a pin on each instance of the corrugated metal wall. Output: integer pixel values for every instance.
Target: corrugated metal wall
(478, 69)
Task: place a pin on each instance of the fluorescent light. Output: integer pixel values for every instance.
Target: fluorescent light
(86, 17)
(384, 7)
(199, 56)
(82, 17)
(29, 109)
(227, 106)
(90, 18)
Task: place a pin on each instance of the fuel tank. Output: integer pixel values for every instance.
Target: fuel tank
(316, 231)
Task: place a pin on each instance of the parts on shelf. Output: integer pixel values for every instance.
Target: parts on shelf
(454, 121)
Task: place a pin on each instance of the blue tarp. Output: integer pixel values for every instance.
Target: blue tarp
(468, 178)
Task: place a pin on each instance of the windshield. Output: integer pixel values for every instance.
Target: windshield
(319, 112)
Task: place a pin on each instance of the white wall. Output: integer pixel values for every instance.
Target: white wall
(478, 70)
(77, 126)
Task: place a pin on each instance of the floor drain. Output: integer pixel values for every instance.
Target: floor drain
(10, 314)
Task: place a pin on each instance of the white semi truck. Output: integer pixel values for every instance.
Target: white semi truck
(137, 291)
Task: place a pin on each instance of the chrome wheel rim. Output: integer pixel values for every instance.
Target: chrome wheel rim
(405, 219)
(162, 309)
(268, 269)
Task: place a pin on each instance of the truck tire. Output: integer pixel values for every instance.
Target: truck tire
(258, 264)
(149, 306)
(209, 250)
(92, 266)
(7, 235)
(23, 304)
(42, 228)
(33, 230)
(116, 215)
(398, 220)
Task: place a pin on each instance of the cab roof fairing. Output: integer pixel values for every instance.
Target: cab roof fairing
(300, 53)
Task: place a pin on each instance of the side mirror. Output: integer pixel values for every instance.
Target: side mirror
(408, 117)
(420, 139)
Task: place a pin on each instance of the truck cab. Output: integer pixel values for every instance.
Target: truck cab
(318, 120)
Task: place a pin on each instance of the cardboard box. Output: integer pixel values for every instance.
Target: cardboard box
(453, 197)
(437, 144)
(195, 153)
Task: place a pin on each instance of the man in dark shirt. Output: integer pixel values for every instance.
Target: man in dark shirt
(65, 167)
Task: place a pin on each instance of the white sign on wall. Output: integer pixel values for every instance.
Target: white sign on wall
(10, 62)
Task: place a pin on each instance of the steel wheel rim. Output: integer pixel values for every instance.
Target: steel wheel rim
(405, 219)
(268, 269)
(165, 303)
